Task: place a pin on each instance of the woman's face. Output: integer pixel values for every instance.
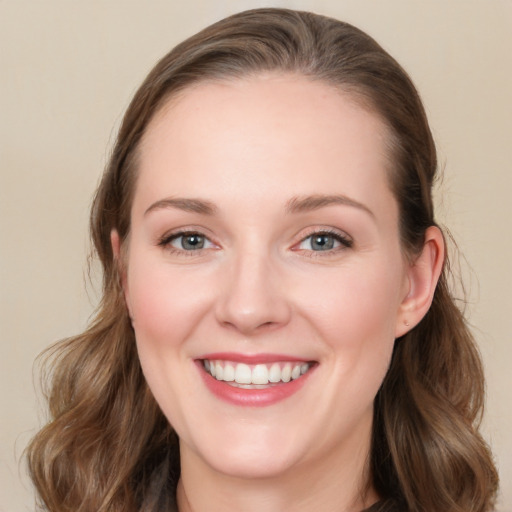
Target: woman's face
(264, 248)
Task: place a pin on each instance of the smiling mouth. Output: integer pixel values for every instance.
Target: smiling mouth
(258, 376)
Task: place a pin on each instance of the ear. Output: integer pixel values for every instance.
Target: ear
(423, 274)
(115, 242)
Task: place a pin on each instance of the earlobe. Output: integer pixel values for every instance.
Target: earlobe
(115, 242)
(423, 275)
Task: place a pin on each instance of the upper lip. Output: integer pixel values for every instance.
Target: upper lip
(252, 358)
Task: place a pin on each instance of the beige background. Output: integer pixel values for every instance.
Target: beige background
(67, 71)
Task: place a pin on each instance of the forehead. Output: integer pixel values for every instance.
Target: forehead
(236, 135)
(272, 92)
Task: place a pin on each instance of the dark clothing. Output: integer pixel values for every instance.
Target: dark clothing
(381, 506)
(162, 494)
(384, 506)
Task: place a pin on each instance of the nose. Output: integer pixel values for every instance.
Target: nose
(253, 298)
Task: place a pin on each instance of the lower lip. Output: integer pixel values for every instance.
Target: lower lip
(253, 397)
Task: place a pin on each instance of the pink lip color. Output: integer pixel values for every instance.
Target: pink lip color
(252, 358)
(251, 397)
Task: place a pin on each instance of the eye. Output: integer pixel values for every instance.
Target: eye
(324, 241)
(186, 241)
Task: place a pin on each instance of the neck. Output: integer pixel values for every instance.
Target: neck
(338, 481)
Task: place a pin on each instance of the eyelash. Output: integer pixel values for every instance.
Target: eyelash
(344, 241)
(167, 239)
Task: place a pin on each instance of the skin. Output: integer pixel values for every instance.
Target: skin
(249, 150)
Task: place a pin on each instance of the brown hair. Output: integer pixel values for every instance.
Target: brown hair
(109, 448)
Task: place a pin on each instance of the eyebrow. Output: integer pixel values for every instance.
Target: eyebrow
(295, 205)
(188, 205)
(317, 201)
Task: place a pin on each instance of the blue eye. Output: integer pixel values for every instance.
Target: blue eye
(323, 241)
(191, 242)
(187, 241)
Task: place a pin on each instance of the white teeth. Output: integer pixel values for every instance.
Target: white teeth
(229, 373)
(296, 372)
(286, 373)
(219, 371)
(259, 374)
(243, 374)
(274, 375)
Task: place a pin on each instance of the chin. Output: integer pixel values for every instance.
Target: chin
(245, 465)
(248, 454)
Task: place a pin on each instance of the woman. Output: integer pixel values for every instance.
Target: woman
(276, 331)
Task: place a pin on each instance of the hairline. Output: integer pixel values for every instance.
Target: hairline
(353, 93)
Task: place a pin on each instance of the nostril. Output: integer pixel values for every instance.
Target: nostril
(249, 326)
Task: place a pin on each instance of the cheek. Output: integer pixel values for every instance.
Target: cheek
(165, 303)
(354, 314)
(349, 304)
(166, 308)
